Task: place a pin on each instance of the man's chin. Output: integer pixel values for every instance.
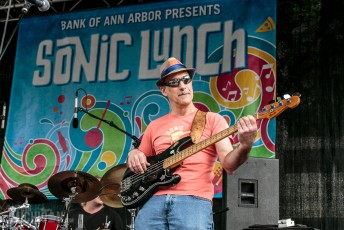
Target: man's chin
(185, 100)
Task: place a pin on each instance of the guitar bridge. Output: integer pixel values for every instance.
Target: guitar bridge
(125, 184)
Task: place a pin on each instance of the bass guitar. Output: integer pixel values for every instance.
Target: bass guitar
(136, 189)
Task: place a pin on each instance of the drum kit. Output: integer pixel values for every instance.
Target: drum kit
(70, 186)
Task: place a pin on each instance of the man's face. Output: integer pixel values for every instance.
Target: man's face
(181, 94)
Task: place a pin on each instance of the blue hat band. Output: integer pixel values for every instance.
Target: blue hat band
(172, 68)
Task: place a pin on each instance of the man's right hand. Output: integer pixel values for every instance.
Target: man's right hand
(137, 161)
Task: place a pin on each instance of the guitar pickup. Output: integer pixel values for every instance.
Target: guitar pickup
(149, 178)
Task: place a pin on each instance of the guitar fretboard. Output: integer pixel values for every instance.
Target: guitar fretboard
(270, 111)
(177, 158)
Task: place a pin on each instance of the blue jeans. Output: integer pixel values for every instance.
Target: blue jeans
(175, 212)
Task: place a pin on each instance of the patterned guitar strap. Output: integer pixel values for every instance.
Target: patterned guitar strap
(198, 126)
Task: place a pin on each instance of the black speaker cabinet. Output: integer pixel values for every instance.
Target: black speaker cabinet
(252, 194)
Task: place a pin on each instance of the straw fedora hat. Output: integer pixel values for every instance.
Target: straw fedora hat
(171, 66)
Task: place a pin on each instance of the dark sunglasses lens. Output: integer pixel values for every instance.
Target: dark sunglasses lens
(175, 82)
(186, 80)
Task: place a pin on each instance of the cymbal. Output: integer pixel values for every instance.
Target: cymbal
(111, 186)
(86, 186)
(28, 191)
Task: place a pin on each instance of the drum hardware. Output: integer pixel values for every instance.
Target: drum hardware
(20, 223)
(132, 220)
(68, 201)
(73, 187)
(9, 221)
(27, 193)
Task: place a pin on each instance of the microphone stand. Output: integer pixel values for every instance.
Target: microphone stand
(136, 141)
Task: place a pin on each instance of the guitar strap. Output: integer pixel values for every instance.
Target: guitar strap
(198, 126)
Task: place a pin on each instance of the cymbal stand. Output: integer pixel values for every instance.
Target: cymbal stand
(132, 220)
(68, 200)
(26, 205)
(11, 210)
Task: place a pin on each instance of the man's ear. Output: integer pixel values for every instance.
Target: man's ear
(163, 90)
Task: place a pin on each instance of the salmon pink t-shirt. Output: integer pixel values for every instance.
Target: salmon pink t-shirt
(196, 170)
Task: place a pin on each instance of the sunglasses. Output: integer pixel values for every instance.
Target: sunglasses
(175, 82)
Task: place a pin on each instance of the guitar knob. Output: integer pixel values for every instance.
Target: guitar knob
(141, 189)
(135, 194)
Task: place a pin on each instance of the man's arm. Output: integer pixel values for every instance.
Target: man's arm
(231, 158)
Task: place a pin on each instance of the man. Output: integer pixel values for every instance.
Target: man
(188, 204)
(93, 215)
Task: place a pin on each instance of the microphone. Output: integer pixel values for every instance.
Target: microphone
(75, 117)
(3, 116)
(43, 5)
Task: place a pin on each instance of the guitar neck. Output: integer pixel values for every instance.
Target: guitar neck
(177, 158)
(269, 112)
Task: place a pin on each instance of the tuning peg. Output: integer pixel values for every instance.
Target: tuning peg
(279, 99)
(297, 94)
(286, 96)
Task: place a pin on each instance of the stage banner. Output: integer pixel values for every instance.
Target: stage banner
(106, 62)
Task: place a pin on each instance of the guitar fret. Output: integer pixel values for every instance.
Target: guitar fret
(180, 156)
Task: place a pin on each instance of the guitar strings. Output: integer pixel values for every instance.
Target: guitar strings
(154, 168)
(150, 170)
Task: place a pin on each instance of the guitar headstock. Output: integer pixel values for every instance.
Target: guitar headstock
(273, 110)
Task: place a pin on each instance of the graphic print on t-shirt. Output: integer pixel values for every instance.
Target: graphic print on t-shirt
(175, 133)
